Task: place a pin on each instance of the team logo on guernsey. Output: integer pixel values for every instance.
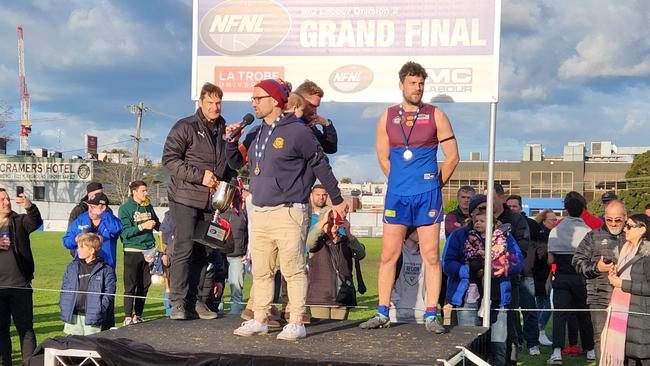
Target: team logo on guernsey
(411, 273)
(244, 27)
(397, 120)
(433, 213)
(278, 143)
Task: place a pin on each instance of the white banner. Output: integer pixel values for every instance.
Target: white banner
(353, 50)
(42, 171)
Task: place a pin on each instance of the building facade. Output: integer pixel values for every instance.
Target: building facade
(46, 178)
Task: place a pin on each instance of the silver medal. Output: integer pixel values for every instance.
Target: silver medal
(408, 154)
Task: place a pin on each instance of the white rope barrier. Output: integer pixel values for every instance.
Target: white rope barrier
(317, 305)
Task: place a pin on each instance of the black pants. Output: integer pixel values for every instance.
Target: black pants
(16, 304)
(598, 319)
(513, 324)
(569, 292)
(213, 271)
(137, 280)
(188, 257)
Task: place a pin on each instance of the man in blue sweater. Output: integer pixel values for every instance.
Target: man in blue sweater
(284, 159)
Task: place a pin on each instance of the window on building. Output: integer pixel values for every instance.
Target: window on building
(39, 193)
(550, 184)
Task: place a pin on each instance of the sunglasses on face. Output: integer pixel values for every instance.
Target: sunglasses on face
(629, 226)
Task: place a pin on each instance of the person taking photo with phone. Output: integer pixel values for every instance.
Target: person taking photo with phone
(16, 274)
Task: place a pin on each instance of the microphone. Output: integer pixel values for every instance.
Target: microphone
(247, 120)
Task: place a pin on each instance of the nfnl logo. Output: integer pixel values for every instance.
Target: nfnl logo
(351, 78)
(244, 27)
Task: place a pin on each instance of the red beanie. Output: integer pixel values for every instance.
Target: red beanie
(278, 89)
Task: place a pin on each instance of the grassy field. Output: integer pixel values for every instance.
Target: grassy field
(51, 260)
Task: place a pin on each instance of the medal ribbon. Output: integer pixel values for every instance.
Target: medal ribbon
(401, 125)
(259, 152)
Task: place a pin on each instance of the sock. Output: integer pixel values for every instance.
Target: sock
(431, 311)
(383, 310)
(557, 351)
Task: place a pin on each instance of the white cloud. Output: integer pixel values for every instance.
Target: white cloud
(601, 55)
(521, 15)
(94, 33)
(64, 132)
(533, 93)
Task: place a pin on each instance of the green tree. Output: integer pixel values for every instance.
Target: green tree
(450, 205)
(346, 180)
(595, 207)
(637, 193)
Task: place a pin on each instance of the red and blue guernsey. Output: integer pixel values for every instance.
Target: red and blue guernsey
(413, 197)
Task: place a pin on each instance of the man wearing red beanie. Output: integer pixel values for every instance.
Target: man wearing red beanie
(285, 159)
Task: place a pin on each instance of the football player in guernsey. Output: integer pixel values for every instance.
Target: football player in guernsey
(408, 137)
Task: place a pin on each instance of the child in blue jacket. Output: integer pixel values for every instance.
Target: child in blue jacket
(88, 288)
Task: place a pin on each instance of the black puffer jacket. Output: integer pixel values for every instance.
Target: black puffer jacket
(20, 226)
(637, 342)
(595, 244)
(238, 238)
(520, 232)
(541, 268)
(189, 151)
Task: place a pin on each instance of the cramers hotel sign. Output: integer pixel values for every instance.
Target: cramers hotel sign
(43, 171)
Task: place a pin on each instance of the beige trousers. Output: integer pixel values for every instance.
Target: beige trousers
(278, 238)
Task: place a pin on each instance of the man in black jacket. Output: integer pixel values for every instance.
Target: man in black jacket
(313, 94)
(16, 274)
(530, 331)
(194, 154)
(594, 258)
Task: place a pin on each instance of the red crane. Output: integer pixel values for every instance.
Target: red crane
(25, 122)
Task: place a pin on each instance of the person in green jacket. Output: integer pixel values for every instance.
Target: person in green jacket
(139, 220)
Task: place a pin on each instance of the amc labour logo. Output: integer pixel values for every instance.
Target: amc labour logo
(351, 78)
(244, 27)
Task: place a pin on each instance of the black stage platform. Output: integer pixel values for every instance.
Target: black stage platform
(211, 342)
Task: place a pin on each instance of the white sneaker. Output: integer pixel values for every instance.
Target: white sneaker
(555, 359)
(251, 327)
(591, 355)
(534, 351)
(292, 332)
(543, 339)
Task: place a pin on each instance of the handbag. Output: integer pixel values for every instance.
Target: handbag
(347, 294)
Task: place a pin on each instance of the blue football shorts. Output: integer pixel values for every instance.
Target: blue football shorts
(417, 210)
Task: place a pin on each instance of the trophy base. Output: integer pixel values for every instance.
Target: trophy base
(212, 235)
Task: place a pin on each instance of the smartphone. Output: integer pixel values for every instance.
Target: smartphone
(338, 220)
(19, 190)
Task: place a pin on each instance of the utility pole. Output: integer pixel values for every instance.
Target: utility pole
(138, 110)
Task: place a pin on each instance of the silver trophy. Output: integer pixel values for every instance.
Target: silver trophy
(215, 232)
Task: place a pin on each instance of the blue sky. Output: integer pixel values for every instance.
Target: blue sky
(570, 71)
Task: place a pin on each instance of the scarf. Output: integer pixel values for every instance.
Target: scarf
(613, 336)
